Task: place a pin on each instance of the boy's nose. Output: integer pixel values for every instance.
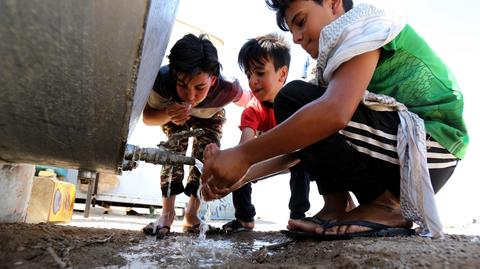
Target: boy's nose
(297, 37)
(190, 95)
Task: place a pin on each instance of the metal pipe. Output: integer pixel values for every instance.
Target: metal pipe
(161, 155)
(91, 177)
(133, 154)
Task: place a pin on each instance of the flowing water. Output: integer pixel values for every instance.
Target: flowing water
(189, 252)
(199, 165)
(183, 251)
(205, 219)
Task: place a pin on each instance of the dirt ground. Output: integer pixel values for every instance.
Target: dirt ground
(59, 246)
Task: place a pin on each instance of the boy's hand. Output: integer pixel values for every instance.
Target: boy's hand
(222, 171)
(178, 113)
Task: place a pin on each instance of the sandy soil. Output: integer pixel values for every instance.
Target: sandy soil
(58, 246)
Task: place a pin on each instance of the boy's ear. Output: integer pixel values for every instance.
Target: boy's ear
(214, 79)
(283, 74)
(337, 7)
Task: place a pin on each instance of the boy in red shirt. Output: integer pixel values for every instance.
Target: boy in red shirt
(265, 60)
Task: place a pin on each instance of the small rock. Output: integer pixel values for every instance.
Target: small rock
(261, 255)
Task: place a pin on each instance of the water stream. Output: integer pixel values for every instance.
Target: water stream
(204, 223)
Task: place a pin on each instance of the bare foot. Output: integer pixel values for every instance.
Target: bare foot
(162, 225)
(385, 210)
(191, 220)
(336, 205)
(167, 216)
(166, 219)
(245, 224)
(237, 225)
(305, 225)
(191, 212)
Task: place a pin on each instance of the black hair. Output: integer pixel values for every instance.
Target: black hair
(191, 55)
(266, 47)
(280, 6)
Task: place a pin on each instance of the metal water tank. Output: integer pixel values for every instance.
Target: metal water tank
(75, 76)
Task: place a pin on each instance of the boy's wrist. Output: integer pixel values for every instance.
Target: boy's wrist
(245, 153)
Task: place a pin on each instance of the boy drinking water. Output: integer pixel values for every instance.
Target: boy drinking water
(189, 93)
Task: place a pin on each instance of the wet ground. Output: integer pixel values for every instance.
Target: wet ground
(122, 245)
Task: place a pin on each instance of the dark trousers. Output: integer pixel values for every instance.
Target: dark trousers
(299, 192)
(242, 201)
(338, 165)
(298, 204)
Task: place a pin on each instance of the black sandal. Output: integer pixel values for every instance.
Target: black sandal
(195, 229)
(234, 226)
(149, 230)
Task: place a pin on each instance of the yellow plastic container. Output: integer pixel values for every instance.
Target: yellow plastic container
(51, 201)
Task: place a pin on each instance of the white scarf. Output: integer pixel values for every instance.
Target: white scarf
(364, 28)
(367, 28)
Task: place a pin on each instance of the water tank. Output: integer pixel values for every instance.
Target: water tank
(75, 76)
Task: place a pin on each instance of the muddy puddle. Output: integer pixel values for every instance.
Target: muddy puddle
(179, 251)
(56, 246)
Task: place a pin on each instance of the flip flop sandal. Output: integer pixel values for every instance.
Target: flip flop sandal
(234, 226)
(316, 220)
(195, 229)
(166, 232)
(149, 230)
(301, 235)
(377, 230)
